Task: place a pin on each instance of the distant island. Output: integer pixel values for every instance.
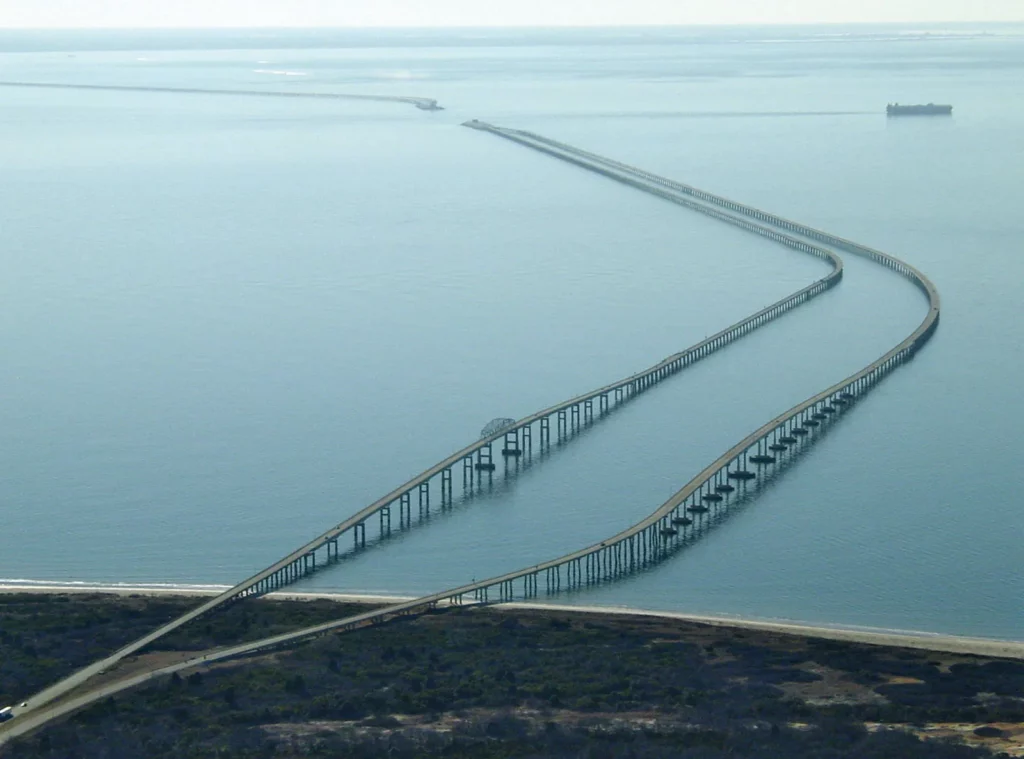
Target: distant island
(929, 109)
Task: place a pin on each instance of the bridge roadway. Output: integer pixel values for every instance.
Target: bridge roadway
(424, 104)
(302, 561)
(648, 540)
(571, 153)
(653, 537)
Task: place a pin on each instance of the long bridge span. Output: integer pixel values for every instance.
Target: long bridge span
(721, 483)
(477, 460)
(424, 104)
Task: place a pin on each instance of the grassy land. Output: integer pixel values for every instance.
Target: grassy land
(488, 683)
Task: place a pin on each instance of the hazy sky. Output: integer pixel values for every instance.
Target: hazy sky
(139, 13)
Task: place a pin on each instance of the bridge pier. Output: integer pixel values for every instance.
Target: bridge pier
(359, 535)
(574, 411)
(405, 509)
(557, 580)
(467, 471)
(385, 520)
(424, 491)
(511, 447)
(529, 586)
(484, 462)
(545, 431)
(446, 487)
(563, 424)
(588, 411)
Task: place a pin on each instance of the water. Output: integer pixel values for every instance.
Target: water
(228, 323)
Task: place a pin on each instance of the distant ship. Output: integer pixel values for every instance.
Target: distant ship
(895, 109)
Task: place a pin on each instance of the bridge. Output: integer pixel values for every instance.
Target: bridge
(723, 484)
(424, 104)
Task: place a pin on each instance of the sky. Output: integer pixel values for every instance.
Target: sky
(356, 13)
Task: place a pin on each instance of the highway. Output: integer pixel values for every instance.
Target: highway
(285, 570)
(654, 537)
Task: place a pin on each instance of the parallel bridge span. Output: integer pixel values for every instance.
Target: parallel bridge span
(644, 543)
(652, 538)
(476, 460)
(534, 140)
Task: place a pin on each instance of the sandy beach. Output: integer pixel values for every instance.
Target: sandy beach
(956, 644)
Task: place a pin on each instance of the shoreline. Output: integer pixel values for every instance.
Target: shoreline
(940, 642)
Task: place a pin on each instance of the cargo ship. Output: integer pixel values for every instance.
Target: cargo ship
(895, 109)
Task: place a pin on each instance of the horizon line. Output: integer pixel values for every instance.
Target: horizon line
(512, 26)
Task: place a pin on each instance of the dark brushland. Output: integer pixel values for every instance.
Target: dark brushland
(494, 683)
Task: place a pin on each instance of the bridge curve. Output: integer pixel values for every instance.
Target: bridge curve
(908, 271)
(649, 539)
(476, 459)
(652, 537)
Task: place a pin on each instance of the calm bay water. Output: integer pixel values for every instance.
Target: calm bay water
(228, 323)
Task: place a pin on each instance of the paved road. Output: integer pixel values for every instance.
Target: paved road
(705, 347)
(855, 384)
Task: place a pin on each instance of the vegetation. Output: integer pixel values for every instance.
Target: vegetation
(487, 683)
(44, 637)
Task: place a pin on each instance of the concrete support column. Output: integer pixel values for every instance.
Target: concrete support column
(446, 487)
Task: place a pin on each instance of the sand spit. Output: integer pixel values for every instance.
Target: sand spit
(1009, 649)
